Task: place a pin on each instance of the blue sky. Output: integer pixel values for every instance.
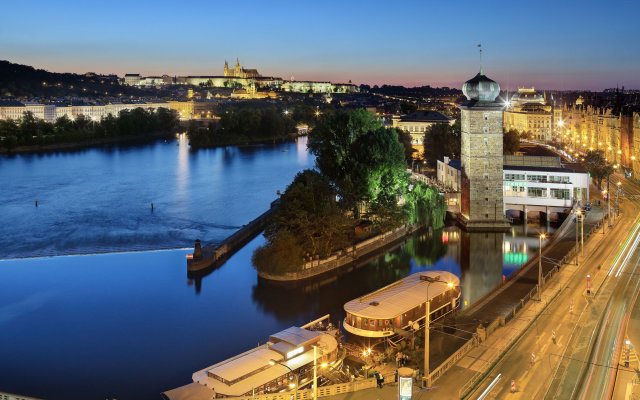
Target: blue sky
(549, 44)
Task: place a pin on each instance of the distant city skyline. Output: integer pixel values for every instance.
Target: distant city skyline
(556, 45)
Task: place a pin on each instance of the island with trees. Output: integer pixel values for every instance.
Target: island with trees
(359, 192)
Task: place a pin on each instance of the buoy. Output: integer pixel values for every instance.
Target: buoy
(513, 386)
(151, 206)
(36, 203)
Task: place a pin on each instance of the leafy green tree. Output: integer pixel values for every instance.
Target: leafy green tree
(598, 167)
(408, 107)
(439, 141)
(405, 139)
(308, 220)
(331, 142)
(511, 142)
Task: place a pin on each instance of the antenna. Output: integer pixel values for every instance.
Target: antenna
(480, 47)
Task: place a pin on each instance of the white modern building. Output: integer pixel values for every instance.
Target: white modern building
(531, 184)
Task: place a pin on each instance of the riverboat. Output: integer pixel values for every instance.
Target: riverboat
(401, 305)
(284, 362)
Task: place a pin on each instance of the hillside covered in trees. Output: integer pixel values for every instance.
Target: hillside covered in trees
(17, 80)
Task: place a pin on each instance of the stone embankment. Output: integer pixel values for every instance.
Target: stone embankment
(216, 254)
(347, 256)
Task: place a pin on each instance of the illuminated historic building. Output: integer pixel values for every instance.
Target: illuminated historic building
(529, 111)
(418, 123)
(239, 71)
(481, 156)
(587, 128)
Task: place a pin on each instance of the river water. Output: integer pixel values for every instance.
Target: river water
(130, 323)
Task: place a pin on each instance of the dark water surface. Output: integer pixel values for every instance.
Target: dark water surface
(132, 325)
(99, 200)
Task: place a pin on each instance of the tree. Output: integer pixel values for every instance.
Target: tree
(439, 141)
(405, 139)
(331, 142)
(510, 142)
(598, 167)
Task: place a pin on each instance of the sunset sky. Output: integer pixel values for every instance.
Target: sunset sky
(549, 44)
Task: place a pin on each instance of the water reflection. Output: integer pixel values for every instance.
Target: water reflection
(98, 200)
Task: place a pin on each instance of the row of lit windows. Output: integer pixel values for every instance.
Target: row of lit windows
(537, 178)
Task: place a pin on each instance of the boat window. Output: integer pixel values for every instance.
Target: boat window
(366, 321)
(373, 322)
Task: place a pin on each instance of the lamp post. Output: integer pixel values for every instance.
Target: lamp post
(274, 362)
(426, 328)
(542, 236)
(315, 371)
(619, 184)
(604, 192)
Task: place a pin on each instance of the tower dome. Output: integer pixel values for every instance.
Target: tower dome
(481, 88)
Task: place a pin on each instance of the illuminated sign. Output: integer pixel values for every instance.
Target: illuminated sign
(515, 258)
(405, 388)
(294, 352)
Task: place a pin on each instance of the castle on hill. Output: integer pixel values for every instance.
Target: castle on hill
(239, 71)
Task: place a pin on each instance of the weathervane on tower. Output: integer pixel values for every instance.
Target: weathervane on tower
(480, 47)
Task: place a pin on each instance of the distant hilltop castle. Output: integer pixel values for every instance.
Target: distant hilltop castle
(239, 71)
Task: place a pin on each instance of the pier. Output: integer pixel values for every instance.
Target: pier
(214, 255)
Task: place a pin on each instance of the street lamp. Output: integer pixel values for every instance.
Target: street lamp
(426, 327)
(315, 371)
(291, 385)
(604, 192)
(618, 192)
(542, 236)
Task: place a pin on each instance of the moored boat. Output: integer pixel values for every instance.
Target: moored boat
(403, 303)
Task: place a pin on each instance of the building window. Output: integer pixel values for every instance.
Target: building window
(513, 177)
(536, 192)
(537, 178)
(563, 194)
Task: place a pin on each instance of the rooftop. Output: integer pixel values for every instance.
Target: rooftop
(426, 116)
(401, 296)
(251, 369)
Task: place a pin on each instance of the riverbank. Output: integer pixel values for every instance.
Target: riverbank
(344, 257)
(86, 144)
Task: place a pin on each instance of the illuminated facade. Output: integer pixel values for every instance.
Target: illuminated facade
(586, 128)
(528, 111)
(239, 71)
(418, 123)
(481, 205)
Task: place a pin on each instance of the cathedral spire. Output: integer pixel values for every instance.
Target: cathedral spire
(237, 62)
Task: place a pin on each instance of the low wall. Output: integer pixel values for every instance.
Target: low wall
(213, 253)
(344, 257)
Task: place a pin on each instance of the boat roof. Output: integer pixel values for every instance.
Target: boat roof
(295, 336)
(401, 296)
(252, 369)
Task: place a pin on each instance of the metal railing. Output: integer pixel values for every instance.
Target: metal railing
(323, 391)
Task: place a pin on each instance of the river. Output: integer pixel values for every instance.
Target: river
(129, 323)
